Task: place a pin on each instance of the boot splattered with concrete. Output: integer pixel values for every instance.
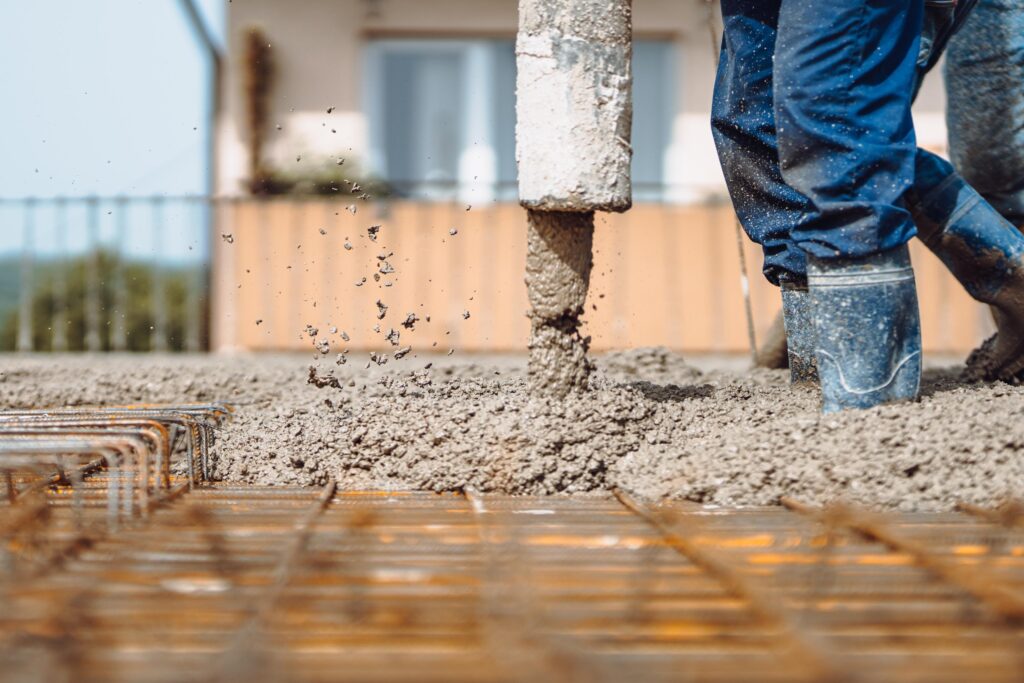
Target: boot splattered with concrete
(574, 115)
(983, 251)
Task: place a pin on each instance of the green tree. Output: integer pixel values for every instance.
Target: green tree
(60, 293)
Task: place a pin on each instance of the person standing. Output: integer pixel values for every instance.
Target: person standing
(811, 118)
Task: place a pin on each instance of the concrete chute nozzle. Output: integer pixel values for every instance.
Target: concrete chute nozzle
(574, 106)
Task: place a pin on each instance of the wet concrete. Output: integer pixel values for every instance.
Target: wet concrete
(650, 423)
(559, 259)
(1001, 357)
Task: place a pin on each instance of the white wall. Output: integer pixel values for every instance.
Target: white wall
(318, 47)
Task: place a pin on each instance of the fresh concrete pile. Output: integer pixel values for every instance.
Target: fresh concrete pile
(650, 424)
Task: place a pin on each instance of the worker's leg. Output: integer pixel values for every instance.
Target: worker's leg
(844, 76)
(743, 124)
(942, 213)
(985, 82)
(985, 87)
(983, 251)
(942, 20)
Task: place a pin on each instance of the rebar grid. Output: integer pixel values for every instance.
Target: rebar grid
(680, 531)
(129, 449)
(197, 421)
(1005, 601)
(233, 583)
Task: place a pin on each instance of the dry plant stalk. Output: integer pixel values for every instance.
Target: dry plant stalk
(258, 77)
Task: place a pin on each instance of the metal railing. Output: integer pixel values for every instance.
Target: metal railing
(119, 273)
(105, 273)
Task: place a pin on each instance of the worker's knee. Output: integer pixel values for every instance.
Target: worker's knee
(930, 171)
(740, 133)
(742, 123)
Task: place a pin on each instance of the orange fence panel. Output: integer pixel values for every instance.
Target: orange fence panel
(663, 275)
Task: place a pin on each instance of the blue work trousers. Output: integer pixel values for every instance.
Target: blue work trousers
(811, 118)
(985, 114)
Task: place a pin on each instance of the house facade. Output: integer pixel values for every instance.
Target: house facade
(422, 93)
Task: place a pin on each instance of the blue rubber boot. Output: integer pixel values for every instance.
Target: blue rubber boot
(984, 251)
(796, 316)
(868, 329)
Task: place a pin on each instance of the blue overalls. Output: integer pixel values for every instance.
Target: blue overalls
(811, 117)
(812, 121)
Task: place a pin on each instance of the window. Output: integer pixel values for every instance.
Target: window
(442, 117)
(652, 116)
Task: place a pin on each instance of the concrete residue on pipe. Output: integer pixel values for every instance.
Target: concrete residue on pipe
(574, 104)
(558, 263)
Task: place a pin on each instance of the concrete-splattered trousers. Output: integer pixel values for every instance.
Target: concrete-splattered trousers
(985, 88)
(811, 118)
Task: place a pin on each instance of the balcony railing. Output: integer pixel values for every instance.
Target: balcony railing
(105, 274)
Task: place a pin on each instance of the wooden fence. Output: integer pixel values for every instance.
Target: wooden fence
(664, 275)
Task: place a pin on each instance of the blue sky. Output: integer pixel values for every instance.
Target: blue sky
(103, 97)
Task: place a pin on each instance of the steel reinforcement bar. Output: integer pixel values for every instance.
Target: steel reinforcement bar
(1004, 600)
(245, 583)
